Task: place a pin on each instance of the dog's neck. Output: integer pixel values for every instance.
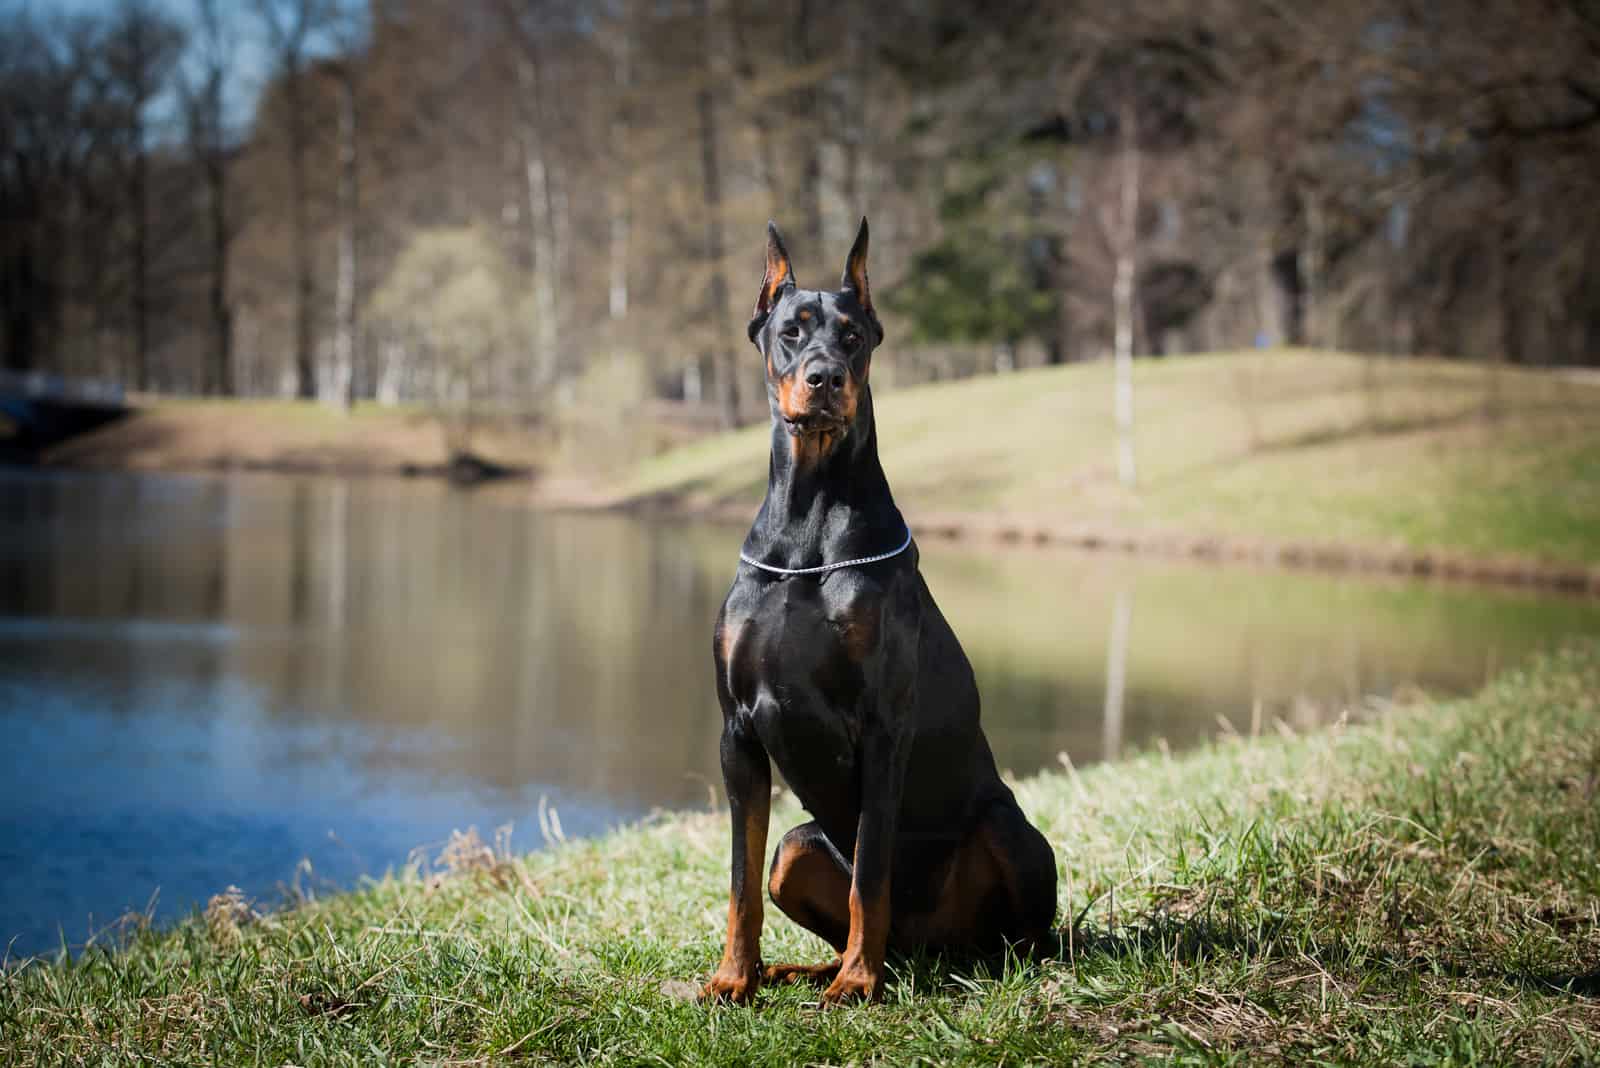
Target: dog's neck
(829, 507)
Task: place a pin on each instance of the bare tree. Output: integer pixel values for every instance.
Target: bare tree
(205, 111)
(141, 49)
(346, 72)
(722, 355)
(293, 28)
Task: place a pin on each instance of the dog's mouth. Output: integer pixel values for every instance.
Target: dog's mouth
(813, 422)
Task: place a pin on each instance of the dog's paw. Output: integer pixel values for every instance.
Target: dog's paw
(737, 986)
(853, 983)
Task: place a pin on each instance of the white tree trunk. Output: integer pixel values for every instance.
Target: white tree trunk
(1122, 292)
(1116, 675)
(541, 225)
(619, 199)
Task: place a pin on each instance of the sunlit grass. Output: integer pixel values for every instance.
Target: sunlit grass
(1415, 454)
(1423, 887)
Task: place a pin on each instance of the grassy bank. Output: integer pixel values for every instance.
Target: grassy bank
(302, 437)
(1423, 887)
(1306, 448)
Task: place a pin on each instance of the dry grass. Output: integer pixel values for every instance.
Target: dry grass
(291, 436)
(1294, 446)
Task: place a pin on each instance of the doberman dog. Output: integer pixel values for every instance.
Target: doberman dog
(833, 660)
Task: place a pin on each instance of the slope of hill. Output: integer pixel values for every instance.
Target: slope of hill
(1314, 449)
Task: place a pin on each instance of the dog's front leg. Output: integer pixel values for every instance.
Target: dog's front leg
(747, 774)
(884, 751)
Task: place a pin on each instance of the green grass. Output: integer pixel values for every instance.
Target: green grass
(1422, 887)
(1286, 445)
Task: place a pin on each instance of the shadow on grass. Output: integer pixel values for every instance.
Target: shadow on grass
(1276, 949)
(1375, 429)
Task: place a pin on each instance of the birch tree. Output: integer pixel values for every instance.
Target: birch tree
(1123, 293)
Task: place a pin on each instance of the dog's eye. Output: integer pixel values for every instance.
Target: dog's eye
(852, 341)
(791, 332)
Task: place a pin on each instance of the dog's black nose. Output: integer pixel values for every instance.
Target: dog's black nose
(825, 378)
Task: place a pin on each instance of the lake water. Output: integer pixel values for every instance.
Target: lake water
(270, 682)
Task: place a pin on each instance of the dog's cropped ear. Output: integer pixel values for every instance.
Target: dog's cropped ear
(855, 277)
(779, 274)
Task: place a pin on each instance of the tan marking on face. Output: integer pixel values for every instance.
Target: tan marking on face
(844, 320)
(849, 398)
(805, 315)
(791, 396)
(810, 449)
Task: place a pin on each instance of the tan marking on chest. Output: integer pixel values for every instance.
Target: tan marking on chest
(728, 638)
(858, 631)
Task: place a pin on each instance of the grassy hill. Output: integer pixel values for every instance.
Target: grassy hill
(1416, 454)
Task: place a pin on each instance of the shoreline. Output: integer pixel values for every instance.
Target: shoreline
(561, 492)
(1016, 532)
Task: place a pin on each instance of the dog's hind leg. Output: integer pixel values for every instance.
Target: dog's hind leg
(999, 888)
(810, 882)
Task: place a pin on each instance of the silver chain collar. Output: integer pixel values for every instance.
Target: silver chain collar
(823, 568)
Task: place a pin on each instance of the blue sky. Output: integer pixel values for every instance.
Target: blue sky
(251, 52)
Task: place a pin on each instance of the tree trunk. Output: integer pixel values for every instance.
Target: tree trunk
(19, 295)
(345, 304)
(221, 314)
(1122, 291)
(541, 225)
(619, 195)
(722, 356)
(1313, 256)
(805, 193)
(305, 288)
(139, 194)
(1059, 349)
(1506, 256)
(746, 14)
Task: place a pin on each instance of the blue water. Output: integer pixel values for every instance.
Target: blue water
(149, 798)
(291, 685)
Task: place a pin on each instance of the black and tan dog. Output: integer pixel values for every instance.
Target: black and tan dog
(851, 680)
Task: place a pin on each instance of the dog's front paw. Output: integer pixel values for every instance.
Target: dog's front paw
(853, 983)
(732, 983)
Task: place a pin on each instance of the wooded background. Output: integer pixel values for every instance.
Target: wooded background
(537, 203)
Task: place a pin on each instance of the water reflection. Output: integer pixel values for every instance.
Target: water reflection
(204, 679)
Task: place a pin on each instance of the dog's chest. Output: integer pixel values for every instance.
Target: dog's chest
(800, 659)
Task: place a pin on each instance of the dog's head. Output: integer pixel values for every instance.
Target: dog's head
(817, 344)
